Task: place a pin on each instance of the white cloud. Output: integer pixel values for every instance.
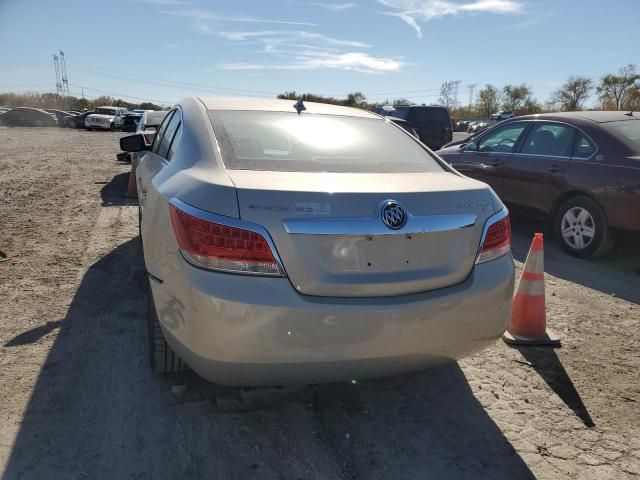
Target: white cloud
(201, 15)
(287, 37)
(334, 7)
(413, 11)
(314, 60)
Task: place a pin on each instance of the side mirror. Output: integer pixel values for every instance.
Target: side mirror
(133, 143)
(471, 146)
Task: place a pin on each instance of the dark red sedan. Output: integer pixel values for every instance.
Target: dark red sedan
(580, 169)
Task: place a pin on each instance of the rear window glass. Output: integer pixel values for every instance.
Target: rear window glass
(628, 130)
(288, 142)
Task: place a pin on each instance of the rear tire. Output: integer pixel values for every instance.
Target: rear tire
(581, 228)
(162, 358)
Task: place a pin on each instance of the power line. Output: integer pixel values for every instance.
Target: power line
(120, 94)
(171, 83)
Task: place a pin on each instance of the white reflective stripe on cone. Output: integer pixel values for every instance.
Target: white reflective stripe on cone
(534, 262)
(531, 287)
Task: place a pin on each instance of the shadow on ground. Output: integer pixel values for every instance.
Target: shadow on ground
(546, 363)
(114, 193)
(98, 412)
(617, 273)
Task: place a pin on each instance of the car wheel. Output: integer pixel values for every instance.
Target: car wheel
(112, 127)
(581, 228)
(162, 358)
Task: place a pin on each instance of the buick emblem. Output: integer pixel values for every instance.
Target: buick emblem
(393, 215)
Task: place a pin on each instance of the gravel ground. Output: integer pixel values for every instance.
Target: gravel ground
(79, 402)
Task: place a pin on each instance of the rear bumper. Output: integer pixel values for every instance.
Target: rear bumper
(246, 330)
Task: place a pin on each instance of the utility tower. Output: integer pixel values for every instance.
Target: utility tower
(56, 65)
(455, 93)
(63, 72)
(471, 88)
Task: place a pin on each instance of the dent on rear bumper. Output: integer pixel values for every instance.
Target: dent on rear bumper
(246, 330)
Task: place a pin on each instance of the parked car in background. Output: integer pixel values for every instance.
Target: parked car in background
(130, 120)
(502, 115)
(479, 126)
(77, 121)
(28, 117)
(432, 124)
(105, 118)
(579, 169)
(471, 125)
(462, 125)
(60, 115)
(384, 110)
(403, 124)
(272, 259)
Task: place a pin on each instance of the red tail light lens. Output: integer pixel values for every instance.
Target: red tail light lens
(497, 241)
(220, 247)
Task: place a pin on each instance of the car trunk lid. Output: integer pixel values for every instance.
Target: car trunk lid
(328, 230)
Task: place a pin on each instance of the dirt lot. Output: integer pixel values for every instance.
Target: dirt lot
(77, 399)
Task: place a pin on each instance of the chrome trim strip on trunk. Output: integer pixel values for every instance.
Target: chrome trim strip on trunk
(363, 226)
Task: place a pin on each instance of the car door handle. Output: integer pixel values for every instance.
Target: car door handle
(557, 169)
(496, 163)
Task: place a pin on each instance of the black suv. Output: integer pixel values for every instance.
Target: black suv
(432, 124)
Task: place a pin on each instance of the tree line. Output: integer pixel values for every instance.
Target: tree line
(614, 91)
(63, 102)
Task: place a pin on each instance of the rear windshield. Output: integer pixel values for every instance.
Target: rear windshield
(628, 130)
(288, 142)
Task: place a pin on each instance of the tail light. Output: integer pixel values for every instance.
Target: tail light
(497, 240)
(216, 246)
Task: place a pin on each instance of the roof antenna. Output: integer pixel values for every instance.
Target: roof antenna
(299, 106)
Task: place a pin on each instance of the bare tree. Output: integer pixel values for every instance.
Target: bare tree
(614, 90)
(633, 99)
(516, 97)
(572, 95)
(447, 94)
(356, 99)
(488, 100)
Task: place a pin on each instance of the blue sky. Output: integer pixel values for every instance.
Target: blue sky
(164, 49)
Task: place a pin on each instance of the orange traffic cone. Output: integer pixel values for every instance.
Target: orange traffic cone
(528, 315)
(132, 189)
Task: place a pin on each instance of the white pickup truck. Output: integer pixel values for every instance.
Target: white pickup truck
(105, 118)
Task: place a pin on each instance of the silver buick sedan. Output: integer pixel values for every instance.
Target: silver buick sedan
(289, 242)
